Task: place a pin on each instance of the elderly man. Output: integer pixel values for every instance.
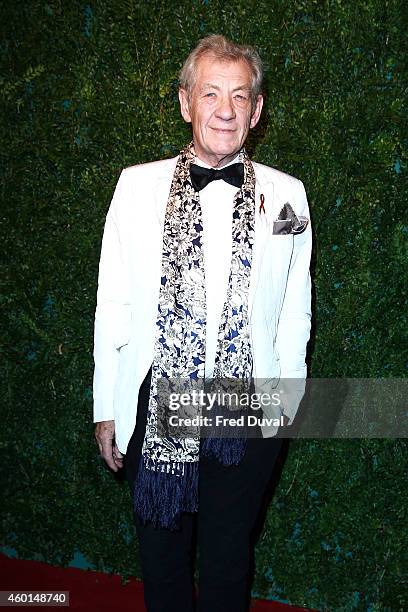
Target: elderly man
(204, 274)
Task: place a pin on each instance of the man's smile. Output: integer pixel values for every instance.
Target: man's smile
(223, 130)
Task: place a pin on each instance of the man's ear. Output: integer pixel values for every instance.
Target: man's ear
(257, 111)
(184, 105)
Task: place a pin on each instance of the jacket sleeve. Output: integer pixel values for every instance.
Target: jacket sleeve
(112, 310)
(295, 318)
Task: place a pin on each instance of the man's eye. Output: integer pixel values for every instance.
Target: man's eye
(241, 97)
(210, 94)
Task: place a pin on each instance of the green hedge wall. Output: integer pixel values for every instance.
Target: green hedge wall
(88, 88)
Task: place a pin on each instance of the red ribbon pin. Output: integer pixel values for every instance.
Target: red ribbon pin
(262, 207)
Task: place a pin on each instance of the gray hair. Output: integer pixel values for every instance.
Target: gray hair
(224, 50)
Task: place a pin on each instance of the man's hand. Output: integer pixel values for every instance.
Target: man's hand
(105, 436)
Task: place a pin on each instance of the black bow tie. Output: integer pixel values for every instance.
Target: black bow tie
(200, 177)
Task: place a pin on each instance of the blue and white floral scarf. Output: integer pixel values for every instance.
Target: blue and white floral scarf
(167, 479)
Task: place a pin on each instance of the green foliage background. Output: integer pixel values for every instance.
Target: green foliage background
(88, 88)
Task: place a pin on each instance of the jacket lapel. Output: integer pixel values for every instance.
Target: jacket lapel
(264, 215)
(162, 190)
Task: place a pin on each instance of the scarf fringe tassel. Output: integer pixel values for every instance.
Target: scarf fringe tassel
(161, 496)
(228, 451)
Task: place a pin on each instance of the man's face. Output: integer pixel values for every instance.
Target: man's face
(219, 109)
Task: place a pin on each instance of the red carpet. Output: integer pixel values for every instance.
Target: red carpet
(90, 591)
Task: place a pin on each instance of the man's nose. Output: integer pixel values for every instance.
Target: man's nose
(225, 109)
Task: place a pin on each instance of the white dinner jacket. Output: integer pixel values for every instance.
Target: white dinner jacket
(129, 281)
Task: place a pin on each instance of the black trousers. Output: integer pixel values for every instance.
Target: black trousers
(230, 500)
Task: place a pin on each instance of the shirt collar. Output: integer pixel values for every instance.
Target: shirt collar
(199, 162)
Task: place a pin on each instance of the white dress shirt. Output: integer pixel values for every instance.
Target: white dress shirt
(217, 205)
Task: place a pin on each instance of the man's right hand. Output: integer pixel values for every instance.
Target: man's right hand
(105, 438)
